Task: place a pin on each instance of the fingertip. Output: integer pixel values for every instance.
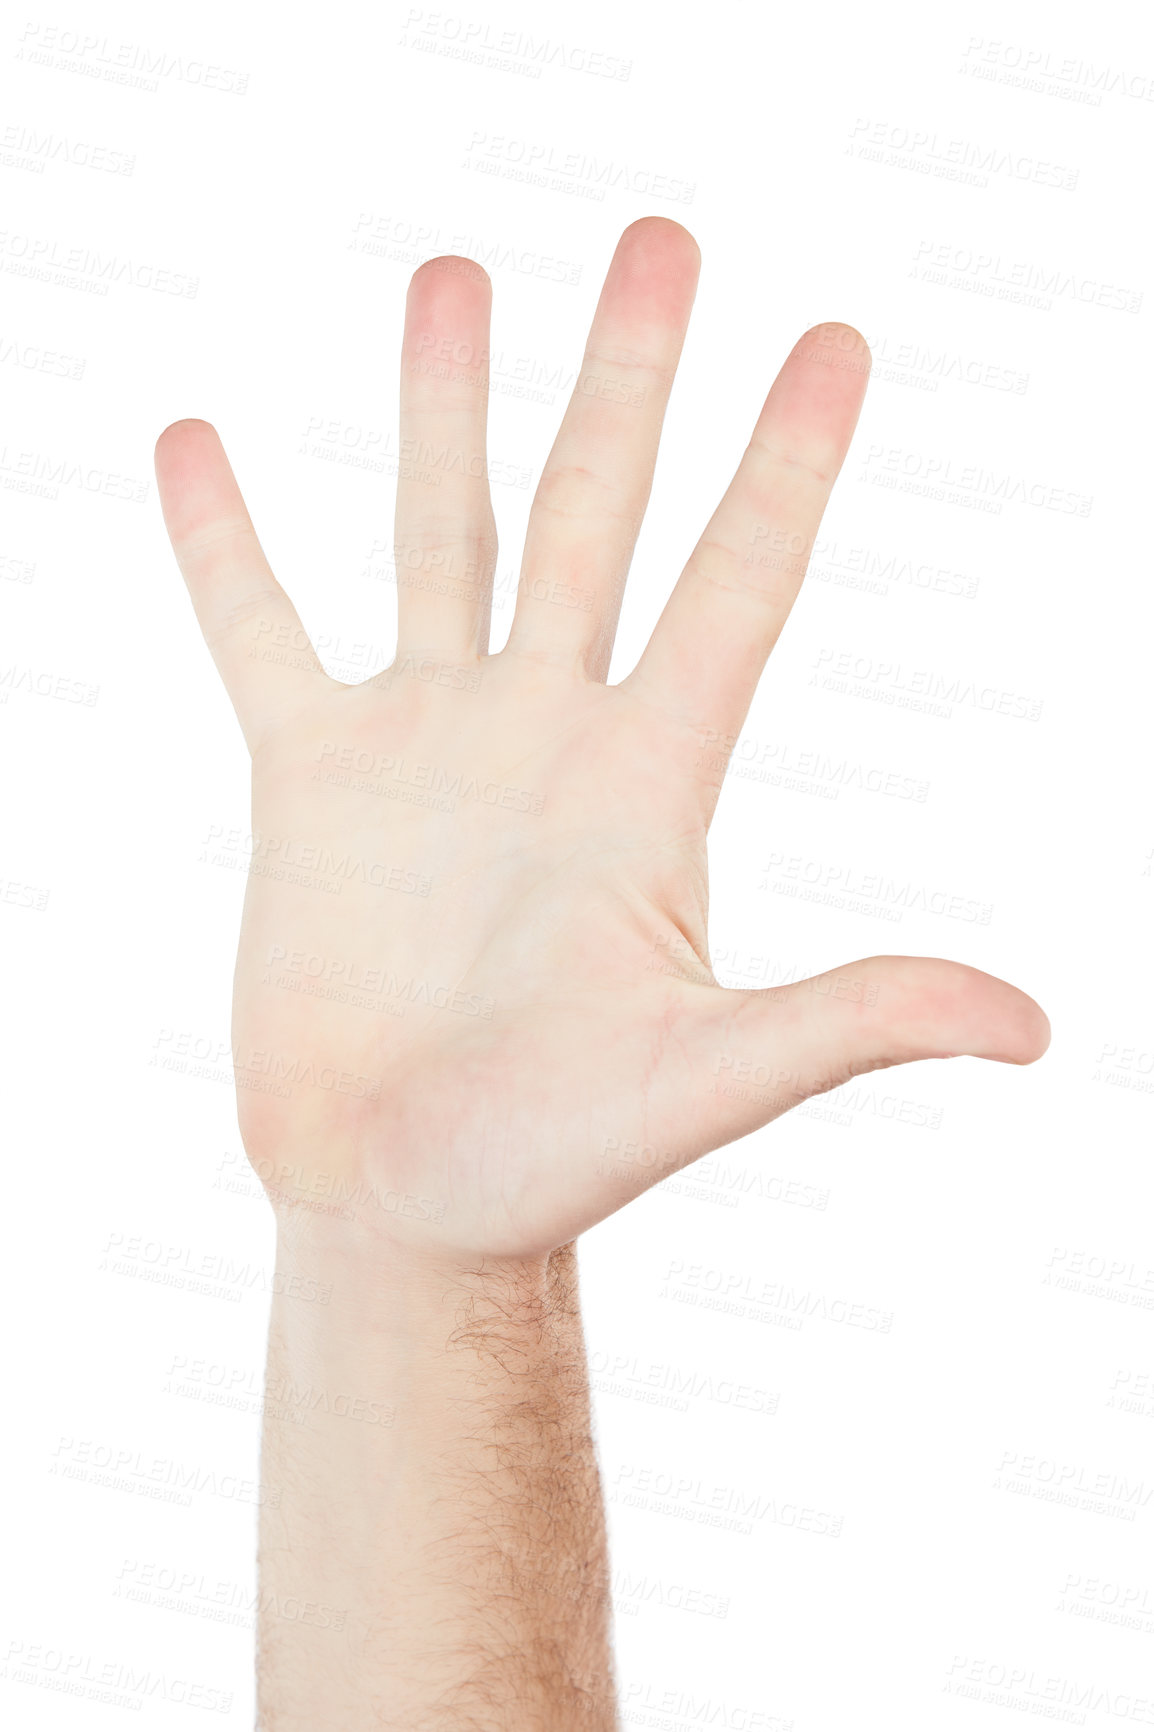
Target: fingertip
(833, 344)
(664, 230)
(1003, 1022)
(179, 434)
(850, 337)
(189, 421)
(653, 274)
(1033, 1033)
(445, 266)
(928, 1007)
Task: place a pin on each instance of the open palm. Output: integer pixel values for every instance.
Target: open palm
(473, 1003)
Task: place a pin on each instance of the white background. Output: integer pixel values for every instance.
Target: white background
(989, 1455)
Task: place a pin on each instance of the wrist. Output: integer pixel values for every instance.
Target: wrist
(370, 1285)
(398, 1253)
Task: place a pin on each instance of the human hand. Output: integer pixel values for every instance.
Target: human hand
(470, 1063)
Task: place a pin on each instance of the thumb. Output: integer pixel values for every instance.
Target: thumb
(772, 1049)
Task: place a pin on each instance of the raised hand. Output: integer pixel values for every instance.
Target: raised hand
(473, 999)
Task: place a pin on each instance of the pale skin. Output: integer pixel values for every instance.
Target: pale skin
(446, 1059)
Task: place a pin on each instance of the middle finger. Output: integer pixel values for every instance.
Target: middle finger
(594, 488)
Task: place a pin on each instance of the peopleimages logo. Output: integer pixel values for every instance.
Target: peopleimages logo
(116, 1683)
(925, 150)
(474, 39)
(995, 486)
(357, 978)
(40, 253)
(824, 880)
(1030, 67)
(432, 779)
(1010, 278)
(115, 62)
(845, 670)
(535, 160)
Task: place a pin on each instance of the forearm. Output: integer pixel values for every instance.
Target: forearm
(430, 1493)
